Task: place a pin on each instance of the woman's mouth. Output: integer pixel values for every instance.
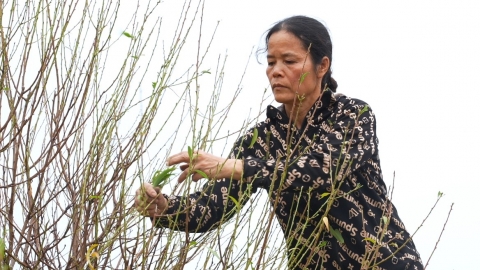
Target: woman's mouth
(276, 86)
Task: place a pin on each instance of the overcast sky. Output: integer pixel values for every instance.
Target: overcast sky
(417, 63)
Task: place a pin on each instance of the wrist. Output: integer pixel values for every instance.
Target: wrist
(236, 169)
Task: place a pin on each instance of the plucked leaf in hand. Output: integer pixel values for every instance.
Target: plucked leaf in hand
(160, 178)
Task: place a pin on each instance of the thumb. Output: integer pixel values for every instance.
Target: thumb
(149, 190)
(158, 190)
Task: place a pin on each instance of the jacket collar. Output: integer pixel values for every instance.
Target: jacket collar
(321, 109)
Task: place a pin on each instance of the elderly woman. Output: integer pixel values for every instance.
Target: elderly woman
(318, 144)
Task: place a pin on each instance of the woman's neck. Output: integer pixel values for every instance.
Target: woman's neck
(298, 112)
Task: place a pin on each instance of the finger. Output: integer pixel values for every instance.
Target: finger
(141, 210)
(184, 167)
(150, 200)
(183, 176)
(158, 190)
(136, 204)
(151, 210)
(178, 158)
(140, 192)
(154, 213)
(147, 213)
(138, 200)
(196, 177)
(151, 207)
(149, 190)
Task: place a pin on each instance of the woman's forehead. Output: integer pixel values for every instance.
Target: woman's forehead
(285, 42)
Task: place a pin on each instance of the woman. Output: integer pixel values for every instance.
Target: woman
(316, 145)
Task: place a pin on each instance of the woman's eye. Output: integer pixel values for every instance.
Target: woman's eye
(270, 63)
(289, 62)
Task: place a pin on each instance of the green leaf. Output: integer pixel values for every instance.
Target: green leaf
(393, 244)
(206, 71)
(235, 201)
(250, 263)
(204, 175)
(127, 34)
(214, 252)
(190, 152)
(268, 138)
(364, 109)
(2, 250)
(302, 78)
(370, 240)
(254, 138)
(337, 235)
(192, 244)
(154, 85)
(440, 194)
(322, 244)
(160, 177)
(325, 194)
(385, 220)
(141, 198)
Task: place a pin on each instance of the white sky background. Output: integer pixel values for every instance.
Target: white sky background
(417, 63)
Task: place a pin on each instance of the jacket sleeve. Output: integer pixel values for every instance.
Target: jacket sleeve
(342, 145)
(217, 202)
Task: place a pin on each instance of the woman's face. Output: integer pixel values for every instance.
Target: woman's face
(287, 61)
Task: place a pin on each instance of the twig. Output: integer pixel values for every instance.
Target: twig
(440, 236)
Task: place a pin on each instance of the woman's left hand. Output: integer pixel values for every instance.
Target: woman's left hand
(212, 166)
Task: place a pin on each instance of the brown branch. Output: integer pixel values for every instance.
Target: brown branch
(440, 236)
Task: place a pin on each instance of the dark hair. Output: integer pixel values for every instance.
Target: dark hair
(313, 34)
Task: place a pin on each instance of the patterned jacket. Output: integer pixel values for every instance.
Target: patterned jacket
(336, 147)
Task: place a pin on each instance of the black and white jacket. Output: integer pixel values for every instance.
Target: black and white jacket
(336, 146)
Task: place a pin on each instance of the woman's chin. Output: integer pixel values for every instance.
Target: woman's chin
(282, 99)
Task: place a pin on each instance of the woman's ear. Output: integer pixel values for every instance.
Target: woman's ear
(323, 67)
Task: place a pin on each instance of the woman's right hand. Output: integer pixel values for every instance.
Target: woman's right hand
(149, 201)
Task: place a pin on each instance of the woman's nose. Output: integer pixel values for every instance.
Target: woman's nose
(277, 70)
